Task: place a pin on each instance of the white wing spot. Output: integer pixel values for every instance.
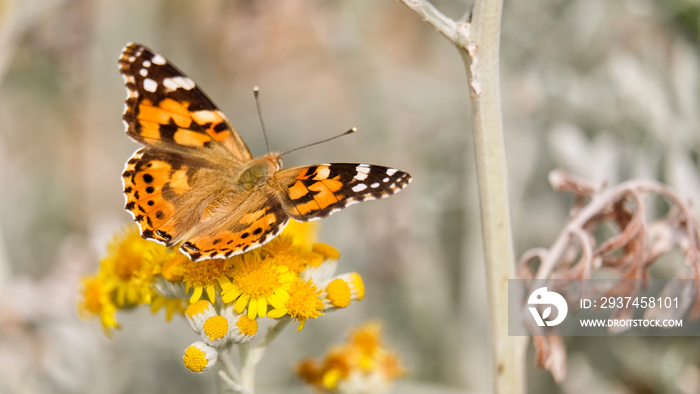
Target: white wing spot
(361, 176)
(374, 185)
(363, 168)
(150, 85)
(132, 59)
(172, 84)
(391, 171)
(158, 59)
(147, 63)
(359, 187)
(386, 179)
(143, 72)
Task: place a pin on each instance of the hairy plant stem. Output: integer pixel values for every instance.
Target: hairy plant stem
(244, 382)
(478, 43)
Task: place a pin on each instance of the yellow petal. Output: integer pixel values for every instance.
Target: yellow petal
(196, 295)
(253, 308)
(262, 307)
(211, 293)
(275, 313)
(241, 303)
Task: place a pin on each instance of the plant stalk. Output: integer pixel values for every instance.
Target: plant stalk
(478, 43)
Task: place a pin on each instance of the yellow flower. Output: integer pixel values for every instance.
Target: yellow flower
(338, 293)
(341, 290)
(171, 305)
(328, 252)
(203, 276)
(244, 329)
(197, 314)
(200, 357)
(304, 302)
(130, 264)
(303, 233)
(361, 363)
(97, 301)
(291, 254)
(255, 284)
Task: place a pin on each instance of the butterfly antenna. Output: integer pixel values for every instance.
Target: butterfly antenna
(354, 129)
(256, 93)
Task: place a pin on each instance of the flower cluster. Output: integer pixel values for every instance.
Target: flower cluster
(291, 277)
(360, 365)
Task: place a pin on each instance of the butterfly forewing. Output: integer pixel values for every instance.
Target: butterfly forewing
(166, 109)
(314, 192)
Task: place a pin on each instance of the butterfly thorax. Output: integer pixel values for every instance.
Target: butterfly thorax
(257, 171)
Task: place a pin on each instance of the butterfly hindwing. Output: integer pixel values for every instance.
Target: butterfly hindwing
(242, 226)
(166, 109)
(168, 193)
(314, 192)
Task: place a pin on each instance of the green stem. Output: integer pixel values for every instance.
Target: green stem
(251, 356)
(478, 43)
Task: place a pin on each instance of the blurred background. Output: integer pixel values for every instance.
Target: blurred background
(609, 90)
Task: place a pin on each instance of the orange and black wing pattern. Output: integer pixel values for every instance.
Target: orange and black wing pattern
(313, 192)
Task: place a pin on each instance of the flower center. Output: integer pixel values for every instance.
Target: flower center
(205, 272)
(338, 293)
(304, 302)
(257, 280)
(247, 325)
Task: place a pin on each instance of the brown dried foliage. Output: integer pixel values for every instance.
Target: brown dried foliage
(627, 254)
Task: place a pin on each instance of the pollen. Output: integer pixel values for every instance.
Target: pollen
(203, 276)
(216, 327)
(257, 280)
(304, 302)
(205, 272)
(338, 293)
(247, 326)
(199, 357)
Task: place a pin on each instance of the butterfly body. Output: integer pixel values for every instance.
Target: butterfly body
(195, 182)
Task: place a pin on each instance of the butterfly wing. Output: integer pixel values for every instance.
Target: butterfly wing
(168, 193)
(313, 192)
(237, 227)
(165, 109)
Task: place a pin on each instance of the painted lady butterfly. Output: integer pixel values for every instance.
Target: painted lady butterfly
(195, 181)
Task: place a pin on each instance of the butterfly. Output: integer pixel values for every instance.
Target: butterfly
(195, 183)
